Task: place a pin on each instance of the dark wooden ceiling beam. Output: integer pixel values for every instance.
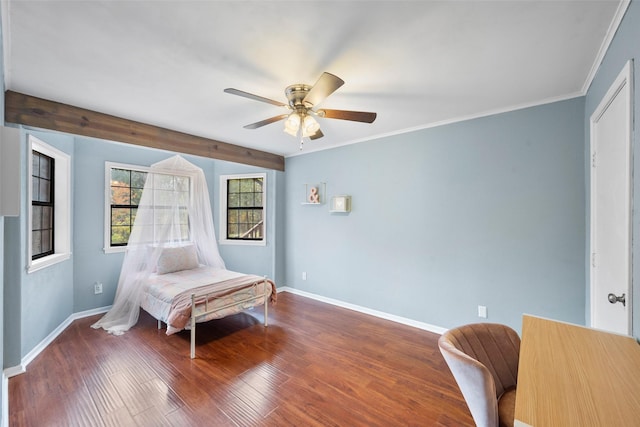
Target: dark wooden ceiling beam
(31, 111)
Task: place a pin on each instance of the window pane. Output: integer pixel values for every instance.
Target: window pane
(184, 232)
(36, 217)
(120, 177)
(136, 194)
(45, 167)
(120, 195)
(246, 200)
(232, 216)
(184, 216)
(234, 200)
(164, 182)
(258, 185)
(45, 191)
(233, 185)
(163, 197)
(138, 179)
(232, 231)
(120, 216)
(47, 217)
(246, 185)
(35, 189)
(46, 241)
(182, 183)
(120, 235)
(35, 165)
(36, 243)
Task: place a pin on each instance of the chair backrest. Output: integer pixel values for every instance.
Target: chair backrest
(483, 358)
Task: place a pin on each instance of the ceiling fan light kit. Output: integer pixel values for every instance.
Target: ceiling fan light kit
(302, 99)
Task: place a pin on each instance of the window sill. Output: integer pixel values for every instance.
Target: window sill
(243, 242)
(115, 249)
(47, 261)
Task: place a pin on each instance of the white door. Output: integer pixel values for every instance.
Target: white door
(611, 181)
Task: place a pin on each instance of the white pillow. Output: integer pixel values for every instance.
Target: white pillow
(177, 259)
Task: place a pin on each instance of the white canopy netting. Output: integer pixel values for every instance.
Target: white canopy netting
(174, 212)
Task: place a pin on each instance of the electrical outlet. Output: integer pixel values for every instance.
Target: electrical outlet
(482, 311)
(304, 275)
(97, 288)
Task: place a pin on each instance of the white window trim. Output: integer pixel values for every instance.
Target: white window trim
(61, 208)
(223, 210)
(108, 249)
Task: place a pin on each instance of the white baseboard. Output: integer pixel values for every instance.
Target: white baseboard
(365, 310)
(20, 369)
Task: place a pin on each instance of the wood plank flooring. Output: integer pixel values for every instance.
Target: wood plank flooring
(315, 365)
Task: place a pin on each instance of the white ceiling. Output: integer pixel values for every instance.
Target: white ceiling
(416, 63)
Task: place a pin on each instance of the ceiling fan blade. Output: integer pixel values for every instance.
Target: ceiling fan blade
(325, 86)
(268, 121)
(254, 97)
(355, 116)
(316, 135)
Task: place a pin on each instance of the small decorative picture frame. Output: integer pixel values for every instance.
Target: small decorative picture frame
(340, 203)
(314, 194)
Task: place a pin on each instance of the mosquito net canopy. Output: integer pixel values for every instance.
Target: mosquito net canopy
(174, 214)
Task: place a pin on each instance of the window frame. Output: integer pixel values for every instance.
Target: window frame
(51, 203)
(108, 248)
(222, 233)
(108, 166)
(61, 207)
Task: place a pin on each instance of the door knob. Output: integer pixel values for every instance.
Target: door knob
(614, 299)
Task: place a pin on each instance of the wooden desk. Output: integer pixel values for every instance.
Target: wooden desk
(570, 375)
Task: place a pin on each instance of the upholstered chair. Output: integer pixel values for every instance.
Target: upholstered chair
(483, 358)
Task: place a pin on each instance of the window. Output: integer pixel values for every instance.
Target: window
(42, 202)
(49, 221)
(124, 186)
(243, 213)
(170, 191)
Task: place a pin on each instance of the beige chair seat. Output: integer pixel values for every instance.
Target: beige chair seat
(507, 408)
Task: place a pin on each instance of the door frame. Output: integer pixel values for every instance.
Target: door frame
(624, 81)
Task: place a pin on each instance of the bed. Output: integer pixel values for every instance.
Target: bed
(185, 297)
(172, 267)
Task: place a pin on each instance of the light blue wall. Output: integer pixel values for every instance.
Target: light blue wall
(36, 303)
(92, 264)
(625, 46)
(484, 212)
(259, 260)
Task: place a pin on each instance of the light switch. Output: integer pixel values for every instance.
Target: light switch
(482, 311)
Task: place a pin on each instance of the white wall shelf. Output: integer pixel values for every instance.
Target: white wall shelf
(314, 194)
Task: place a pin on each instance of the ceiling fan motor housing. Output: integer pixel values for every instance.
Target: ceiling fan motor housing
(295, 94)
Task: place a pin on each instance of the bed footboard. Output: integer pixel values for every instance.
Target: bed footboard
(264, 296)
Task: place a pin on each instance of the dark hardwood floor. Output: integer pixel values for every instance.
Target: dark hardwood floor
(315, 365)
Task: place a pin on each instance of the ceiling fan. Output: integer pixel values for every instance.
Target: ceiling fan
(302, 103)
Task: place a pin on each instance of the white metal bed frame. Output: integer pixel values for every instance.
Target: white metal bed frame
(207, 310)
